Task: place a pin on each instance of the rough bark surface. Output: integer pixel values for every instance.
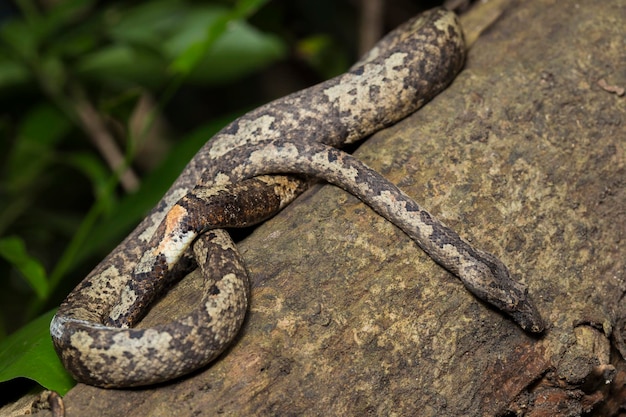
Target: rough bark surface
(525, 155)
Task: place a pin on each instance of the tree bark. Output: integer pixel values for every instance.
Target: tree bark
(525, 156)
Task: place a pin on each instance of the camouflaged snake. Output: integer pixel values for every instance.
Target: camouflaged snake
(232, 182)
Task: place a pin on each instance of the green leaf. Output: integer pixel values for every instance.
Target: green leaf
(215, 45)
(29, 353)
(14, 251)
(197, 38)
(239, 51)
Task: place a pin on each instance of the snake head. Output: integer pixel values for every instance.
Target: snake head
(527, 315)
(490, 281)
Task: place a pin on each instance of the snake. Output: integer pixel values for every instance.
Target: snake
(244, 175)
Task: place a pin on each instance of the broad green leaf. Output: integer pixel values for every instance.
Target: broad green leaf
(14, 251)
(189, 45)
(239, 50)
(216, 47)
(29, 353)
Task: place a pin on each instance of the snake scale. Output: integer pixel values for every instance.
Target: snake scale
(245, 174)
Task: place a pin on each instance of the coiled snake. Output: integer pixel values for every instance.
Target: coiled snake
(232, 182)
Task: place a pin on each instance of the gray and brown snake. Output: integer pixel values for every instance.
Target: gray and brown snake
(233, 181)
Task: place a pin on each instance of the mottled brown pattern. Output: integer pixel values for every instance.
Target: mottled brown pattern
(293, 135)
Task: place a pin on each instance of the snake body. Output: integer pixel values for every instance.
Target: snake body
(233, 182)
